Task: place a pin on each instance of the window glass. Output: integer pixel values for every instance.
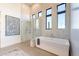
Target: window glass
(61, 21)
(37, 23)
(49, 22)
(49, 11)
(40, 14)
(61, 16)
(49, 19)
(33, 16)
(61, 7)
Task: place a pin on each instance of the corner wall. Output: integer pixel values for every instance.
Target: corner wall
(74, 29)
(55, 32)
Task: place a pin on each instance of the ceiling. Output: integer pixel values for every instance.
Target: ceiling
(29, 4)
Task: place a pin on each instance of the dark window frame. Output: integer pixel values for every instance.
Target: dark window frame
(32, 16)
(61, 12)
(46, 18)
(39, 12)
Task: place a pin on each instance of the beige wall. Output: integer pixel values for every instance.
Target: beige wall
(54, 32)
(16, 10)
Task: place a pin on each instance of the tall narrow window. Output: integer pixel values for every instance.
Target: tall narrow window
(48, 18)
(61, 15)
(40, 14)
(33, 16)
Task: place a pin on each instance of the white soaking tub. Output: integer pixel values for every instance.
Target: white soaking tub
(54, 45)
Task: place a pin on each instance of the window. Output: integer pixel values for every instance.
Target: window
(40, 14)
(48, 18)
(37, 23)
(61, 15)
(33, 16)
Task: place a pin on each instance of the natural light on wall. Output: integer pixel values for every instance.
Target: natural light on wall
(75, 15)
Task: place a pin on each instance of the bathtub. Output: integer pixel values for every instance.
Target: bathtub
(54, 45)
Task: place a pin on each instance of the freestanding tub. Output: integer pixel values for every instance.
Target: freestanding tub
(54, 45)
